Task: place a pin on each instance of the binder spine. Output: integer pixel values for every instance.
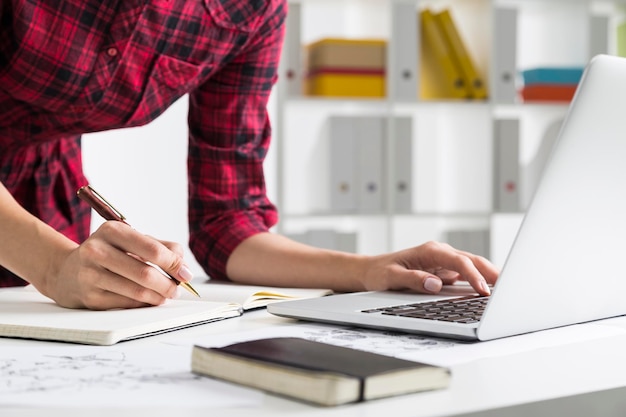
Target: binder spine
(403, 169)
(598, 35)
(505, 52)
(370, 164)
(403, 52)
(506, 170)
(293, 65)
(342, 164)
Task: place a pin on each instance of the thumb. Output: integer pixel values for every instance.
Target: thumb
(415, 279)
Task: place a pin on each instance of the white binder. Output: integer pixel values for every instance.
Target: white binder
(402, 53)
(505, 55)
(342, 164)
(598, 35)
(292, 66)
(506, 172)
(370, 163)
(403, 166)
(532, 171)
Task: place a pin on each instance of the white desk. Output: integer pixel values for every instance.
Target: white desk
(476, 386)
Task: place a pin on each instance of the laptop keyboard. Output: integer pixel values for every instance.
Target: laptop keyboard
(459, 310)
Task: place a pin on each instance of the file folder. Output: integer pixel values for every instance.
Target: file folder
(461, 55)
(506, 165)
(439, 76)
(505, 55)
(598, 35)
(403, 169)
(403, 51)
(342, 164)
(370, 159)
(293, 66)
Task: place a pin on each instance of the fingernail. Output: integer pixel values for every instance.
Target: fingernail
(432, 284)
(185, 273)
(485, 287)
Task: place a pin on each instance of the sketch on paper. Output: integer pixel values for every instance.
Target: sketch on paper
(110, 369)
(97, 376)
(383, 342)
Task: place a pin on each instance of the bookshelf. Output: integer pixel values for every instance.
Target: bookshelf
(452, 148)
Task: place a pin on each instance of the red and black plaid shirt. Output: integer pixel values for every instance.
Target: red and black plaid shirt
(69, 67)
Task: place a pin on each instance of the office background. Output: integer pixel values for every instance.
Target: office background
(143, 170)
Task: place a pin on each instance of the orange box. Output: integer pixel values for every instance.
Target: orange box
(548, 92)
(347, 53)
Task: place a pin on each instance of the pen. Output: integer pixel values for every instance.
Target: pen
(108, 212)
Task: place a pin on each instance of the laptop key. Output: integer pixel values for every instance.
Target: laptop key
(462, 310)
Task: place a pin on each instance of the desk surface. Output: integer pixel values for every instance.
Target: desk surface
(479, 385)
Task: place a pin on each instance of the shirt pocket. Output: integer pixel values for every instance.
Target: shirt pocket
(169, 79)
(236, 14)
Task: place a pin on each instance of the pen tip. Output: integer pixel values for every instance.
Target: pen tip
(189, 288)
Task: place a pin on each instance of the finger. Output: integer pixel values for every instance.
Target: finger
(124, 293)
(129, 240)
(175, 247)
(448, 277)
(446, 257)
(141, 281)
(105, 300)
(132, 278)
(488, 270)
(100, 289)
(184, 273)
(401, 278)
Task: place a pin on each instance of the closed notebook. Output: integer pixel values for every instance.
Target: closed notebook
(316, 372)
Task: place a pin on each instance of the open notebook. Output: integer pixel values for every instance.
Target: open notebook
(251, 297)
(25, 313)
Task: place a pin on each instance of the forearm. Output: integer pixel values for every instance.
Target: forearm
(270, 259)
(29, 247)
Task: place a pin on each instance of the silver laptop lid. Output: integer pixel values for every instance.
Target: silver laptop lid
(567, 257)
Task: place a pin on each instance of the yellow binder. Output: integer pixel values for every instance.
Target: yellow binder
(474, 81)
(440, 78)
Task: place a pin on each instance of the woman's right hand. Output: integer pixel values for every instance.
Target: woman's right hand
(109, 271)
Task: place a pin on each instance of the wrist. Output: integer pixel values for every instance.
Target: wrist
(352, 271)
(54, 251)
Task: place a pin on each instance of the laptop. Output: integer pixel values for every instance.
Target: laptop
(566, 264)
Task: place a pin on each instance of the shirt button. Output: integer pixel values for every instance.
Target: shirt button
(112, 52)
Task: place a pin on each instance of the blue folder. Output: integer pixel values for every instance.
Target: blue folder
(555, 75)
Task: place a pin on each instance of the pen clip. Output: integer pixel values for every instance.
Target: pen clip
(100, 204)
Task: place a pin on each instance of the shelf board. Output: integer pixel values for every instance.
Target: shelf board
(286, 216)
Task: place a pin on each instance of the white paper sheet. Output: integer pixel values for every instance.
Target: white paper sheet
(436, 351)
(94, 376)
